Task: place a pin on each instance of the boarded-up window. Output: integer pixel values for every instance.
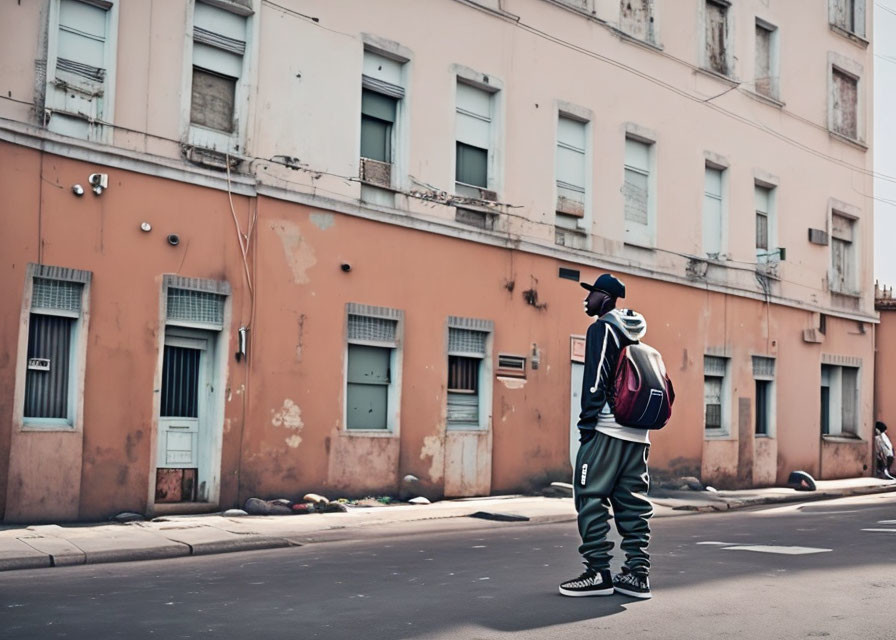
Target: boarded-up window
(849, 15)
(717, 36)
(762, 197)
(212, 100)
(713, 208)
(844, 110)
(75, 93)
(636, 189)
(764, 73)
(219, 44)
(367, 391)
(571, 169)
(842, 258)
(473, 134)
(714, 371)
(466, 350)
(636, 19)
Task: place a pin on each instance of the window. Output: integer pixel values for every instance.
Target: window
(764, 377)
(637, 20)
(571, 172)
(372, 368)
(81, 68)
(717, 55)
(715, 374)
(217, 88)
(843, 259)
(765, 70)
(637, 191)
(713, 212)
(55, 346)
(381, 96)
(473, 124)
(844, 107)
(839, 400)
(848, 15)
(764, 200)
(468, 396)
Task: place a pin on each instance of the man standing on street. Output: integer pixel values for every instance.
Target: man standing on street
(611, 465)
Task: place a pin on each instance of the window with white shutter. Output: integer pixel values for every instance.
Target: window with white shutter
(381, 97)
(571, 172)
(469, 385)
(848, 15)
(637, 191)
(843, 259)
(473, 130)
(713, 212)
(715, 373)
(81, 68)
(839, 399)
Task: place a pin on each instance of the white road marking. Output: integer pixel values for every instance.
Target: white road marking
(886, 522)
(721, 544)
(766, 548)
(884, 530)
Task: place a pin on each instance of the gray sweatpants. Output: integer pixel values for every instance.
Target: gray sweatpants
(610, 471)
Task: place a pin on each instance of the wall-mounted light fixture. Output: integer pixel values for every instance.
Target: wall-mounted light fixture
(99, 182)
(78, 190)
(145, 226)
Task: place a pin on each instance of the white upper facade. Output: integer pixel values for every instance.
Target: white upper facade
(694, 141)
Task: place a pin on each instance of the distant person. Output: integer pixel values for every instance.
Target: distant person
(883, 451)
(611, 465)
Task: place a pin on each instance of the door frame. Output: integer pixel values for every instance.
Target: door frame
(213, 442)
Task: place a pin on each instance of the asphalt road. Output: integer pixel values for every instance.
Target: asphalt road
(833, 574)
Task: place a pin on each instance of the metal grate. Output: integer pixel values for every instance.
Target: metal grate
(714, 366)
(466, 341)
(195, 306)
(56, 294)
(46, 387)
(763, 367)
(369, 329)
(180, 382)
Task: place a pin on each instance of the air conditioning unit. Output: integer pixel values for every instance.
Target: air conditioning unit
(376, 172)
(818, 236)
(210, 158)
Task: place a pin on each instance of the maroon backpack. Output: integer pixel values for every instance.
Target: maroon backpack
(642, 394)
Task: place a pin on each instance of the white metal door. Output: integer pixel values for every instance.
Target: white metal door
(187, 388)
(575, 407)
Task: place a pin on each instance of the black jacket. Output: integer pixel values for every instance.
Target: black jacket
(604, 341)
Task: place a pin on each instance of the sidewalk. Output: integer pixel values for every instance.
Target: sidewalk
(173, 536)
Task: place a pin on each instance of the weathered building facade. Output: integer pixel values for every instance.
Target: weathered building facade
(260, 248)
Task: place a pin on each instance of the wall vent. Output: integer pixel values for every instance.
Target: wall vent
(512, 366)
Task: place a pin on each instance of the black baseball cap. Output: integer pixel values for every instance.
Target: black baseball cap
(607, 283)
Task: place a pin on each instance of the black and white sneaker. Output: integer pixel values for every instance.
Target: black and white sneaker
(590, 583)
(636, 585)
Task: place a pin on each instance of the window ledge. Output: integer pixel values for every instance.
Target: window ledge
(764, 436)
(849, 294)
(718, 436)
(853, 142)
(574, 8)
(639, 245)
(843, 439)
(849, 35)
(55, 425)
(369, 433)
(761, 97)
(627, 37)
(718, 76)
(465, 428)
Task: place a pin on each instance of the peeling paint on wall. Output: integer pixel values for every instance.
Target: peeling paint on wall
(512, 383)
(434, 447)
(322, 221)
(290, 417)
(299, 254)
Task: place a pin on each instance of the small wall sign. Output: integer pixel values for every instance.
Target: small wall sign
(577, 348)
(39, 364)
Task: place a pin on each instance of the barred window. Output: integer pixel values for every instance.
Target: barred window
(714, 373)
(370, 329)
(195, 307)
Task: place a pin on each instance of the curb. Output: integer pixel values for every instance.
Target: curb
(802, 496)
